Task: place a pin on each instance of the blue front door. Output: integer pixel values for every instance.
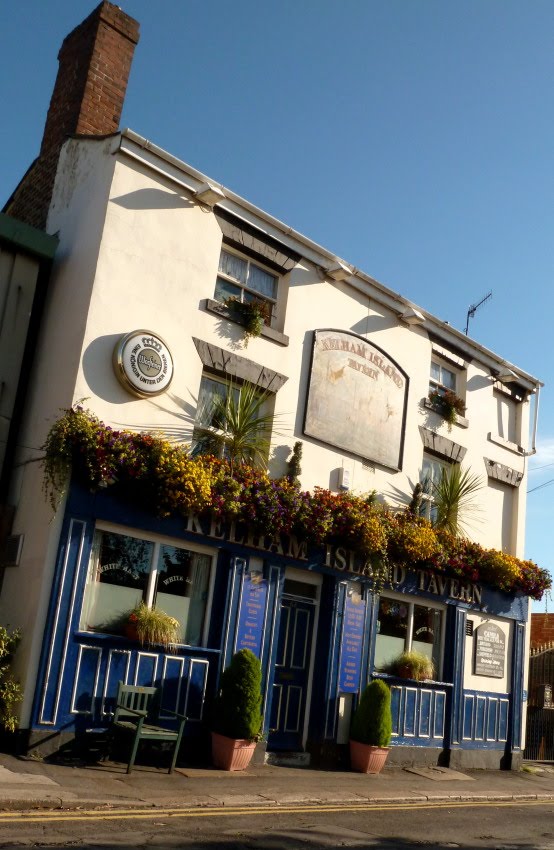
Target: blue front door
(290, 687)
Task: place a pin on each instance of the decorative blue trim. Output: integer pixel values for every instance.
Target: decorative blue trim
(418, 714)
(454, 671)
(331, 694)
(518, 648)
(485, 720)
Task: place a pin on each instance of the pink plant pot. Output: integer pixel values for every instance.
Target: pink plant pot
(367, 759)
(231, 753)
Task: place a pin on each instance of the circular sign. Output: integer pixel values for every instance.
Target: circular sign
(143, 363)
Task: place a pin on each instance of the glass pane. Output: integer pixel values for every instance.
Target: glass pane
(182, 589)
(426, 637)
(436, 372)
(118, 574)
(224, 290)
(233, 266)
(392, 629)
(448, 379)
(261, 281)
(209, 390)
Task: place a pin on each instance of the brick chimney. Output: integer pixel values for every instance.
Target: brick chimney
(94, 64)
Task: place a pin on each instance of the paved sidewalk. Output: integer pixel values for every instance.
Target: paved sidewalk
(28, 784)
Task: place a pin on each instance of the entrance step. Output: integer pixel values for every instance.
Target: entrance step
(288, 759)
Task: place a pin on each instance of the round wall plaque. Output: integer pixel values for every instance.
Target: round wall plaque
(143, 363)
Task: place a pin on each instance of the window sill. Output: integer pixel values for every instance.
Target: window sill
(460, 420)
(388, 677)
(219, 309)
(506, 444)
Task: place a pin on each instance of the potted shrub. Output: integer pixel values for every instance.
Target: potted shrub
(237, 718)
(152, 626)
(371, 729)
(411, 665)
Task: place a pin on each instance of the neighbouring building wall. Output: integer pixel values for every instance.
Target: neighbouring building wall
(84, 176)
(542, 629)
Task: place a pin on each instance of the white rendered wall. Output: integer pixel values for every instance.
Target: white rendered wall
(158, 262)
(488, 683)
(136, 251)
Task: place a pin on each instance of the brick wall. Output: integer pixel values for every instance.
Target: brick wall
(542, 629)
(94, 64)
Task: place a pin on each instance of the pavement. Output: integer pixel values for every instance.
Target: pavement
(27, 783)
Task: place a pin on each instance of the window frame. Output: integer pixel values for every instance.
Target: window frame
(271, 301)
(234, 383)
(157, 540)
(439, 385)
(427, 500)
(411, 602)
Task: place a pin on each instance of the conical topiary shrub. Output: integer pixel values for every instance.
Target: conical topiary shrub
(237, 718)
(371, 729)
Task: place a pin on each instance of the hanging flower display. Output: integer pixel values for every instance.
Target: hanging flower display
(178, 484)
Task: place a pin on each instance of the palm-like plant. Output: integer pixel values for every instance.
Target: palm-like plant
(236, 426)
(453, 498)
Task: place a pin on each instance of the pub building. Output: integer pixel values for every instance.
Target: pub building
(136, 321)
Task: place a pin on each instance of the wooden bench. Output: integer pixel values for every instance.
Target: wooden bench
(134, 713)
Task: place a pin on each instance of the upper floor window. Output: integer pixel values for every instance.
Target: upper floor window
(244, 280)
(432, 470)
(442, 378)
(233, 421)
(125, 570)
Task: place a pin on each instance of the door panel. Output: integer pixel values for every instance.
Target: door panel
(288, 699)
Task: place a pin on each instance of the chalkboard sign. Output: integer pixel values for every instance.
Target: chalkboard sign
(352, 640)
(490, 651)
(252, 613)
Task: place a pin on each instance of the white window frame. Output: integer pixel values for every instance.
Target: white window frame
(236, 383)
(427, 501)
(243, 287)
(423, 603)
(159, 540)
(437, 384)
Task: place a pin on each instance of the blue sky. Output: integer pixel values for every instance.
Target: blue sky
(411, 137)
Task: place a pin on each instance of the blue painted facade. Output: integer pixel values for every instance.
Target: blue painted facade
(302, 644)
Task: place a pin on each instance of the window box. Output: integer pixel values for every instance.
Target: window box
(221, 310)
(438, 408)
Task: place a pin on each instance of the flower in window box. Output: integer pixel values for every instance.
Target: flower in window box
(152, 626)
(252, 314)
(448, 404)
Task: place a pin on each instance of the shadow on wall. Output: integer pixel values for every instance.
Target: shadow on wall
(152, 199)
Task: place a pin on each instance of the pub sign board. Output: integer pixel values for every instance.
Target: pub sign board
(490, 651)
(356, 398)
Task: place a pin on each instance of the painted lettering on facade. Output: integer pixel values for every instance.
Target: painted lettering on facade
(340, 560)
(356, 398)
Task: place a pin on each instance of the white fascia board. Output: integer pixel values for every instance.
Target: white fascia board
(190, 179)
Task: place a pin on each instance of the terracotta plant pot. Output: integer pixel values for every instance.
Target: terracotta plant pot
(231, 753)
(131, 631)
(367, 759)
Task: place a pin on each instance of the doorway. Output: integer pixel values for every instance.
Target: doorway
(291, 685)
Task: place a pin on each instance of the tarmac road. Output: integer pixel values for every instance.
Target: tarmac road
(468, 826)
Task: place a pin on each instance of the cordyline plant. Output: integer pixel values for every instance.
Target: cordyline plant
(177, 484)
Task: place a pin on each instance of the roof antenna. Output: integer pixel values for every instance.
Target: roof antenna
(473, 309)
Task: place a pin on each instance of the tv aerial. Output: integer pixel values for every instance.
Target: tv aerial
(473, 309)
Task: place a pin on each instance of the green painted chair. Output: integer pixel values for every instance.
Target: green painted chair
(135, 708)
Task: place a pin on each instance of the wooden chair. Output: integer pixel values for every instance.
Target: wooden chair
(133, 714)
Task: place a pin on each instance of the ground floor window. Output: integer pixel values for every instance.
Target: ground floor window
(125, 570)
(404, 625)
